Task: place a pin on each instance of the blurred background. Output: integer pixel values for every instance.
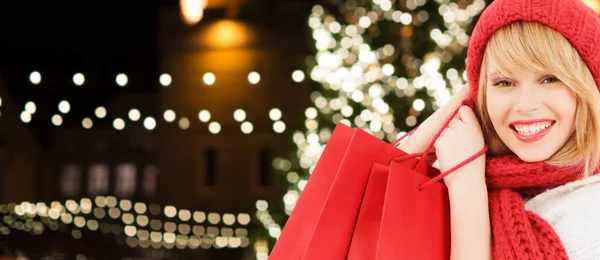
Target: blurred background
(187, 129)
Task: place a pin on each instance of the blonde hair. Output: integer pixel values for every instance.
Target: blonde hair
(524, 46)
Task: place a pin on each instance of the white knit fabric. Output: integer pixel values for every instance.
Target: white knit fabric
(573, 210)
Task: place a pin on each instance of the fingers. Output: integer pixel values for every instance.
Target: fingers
(454, 122)
(447, 132)
(466, 114)
(438, 141)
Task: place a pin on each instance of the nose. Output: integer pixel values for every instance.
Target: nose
(529, 98)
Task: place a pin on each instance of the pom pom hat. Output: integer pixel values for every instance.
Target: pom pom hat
(573, 19)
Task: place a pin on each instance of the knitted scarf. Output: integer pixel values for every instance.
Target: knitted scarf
(516, 232)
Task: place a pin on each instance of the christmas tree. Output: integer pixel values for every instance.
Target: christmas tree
(380, 65)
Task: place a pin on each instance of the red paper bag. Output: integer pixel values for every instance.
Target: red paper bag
(416, 221)
(322, 224)
(366, 230)
(416, 211)
(298, 230)
(322, 227)
(366, 235)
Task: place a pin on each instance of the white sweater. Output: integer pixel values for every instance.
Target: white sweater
(573, 210)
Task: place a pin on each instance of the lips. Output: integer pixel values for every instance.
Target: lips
(531, 130)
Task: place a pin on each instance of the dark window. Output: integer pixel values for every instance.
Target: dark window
(150, 180)
(211, 166)
(266, 167)
(70, 183)
(98, 179)
(125, 181)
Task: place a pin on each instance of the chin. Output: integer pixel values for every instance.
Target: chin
(532, 156)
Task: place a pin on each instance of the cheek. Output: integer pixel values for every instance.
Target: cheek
(565, 108)
(497, 108)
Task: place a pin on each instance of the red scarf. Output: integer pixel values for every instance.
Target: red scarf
(516, 232)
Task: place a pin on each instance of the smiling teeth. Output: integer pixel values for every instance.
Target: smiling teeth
(532, 129)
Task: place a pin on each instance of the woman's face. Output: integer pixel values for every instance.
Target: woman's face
(532, 113)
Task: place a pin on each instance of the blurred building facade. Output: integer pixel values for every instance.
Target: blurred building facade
(192, 128)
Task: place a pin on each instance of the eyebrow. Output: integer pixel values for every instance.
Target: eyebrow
(498, 73)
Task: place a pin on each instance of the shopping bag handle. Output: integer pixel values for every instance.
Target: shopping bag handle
(428, 151)
(445, 173)
(456, 167)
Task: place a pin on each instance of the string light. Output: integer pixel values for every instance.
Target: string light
(239, 115)
(279, 127)
(204, 116)
(35, 77)
(100, 112)
(209, 78)
(78, 79)
(214, 219)
(199, 216)
(57, 120)
(214, 127)
(149, 123)
(169, 115)
(254, 78)
(419, 104)
(247, 127)
(275, 114)
(122, 79)
(87, 123)
(165, 79)
(119, 124)
(25, 117)
(64, 107)
(134, 114)
(170, 211)
(298, 76)
(184, 123)
(30, 107)
(73, 218)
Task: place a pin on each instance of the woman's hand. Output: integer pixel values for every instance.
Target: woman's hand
(420, 139)
(467, 191)
(459, 141)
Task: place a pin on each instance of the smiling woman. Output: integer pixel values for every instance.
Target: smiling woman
(536, 91)
(533, 72)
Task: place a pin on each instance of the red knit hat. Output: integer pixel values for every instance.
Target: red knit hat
(578, 23)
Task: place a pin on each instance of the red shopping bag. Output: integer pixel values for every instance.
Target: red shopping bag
(322, 223)
(365, 239)
(416, 221)
(366, 230)
(416, 212)
(298, 230)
